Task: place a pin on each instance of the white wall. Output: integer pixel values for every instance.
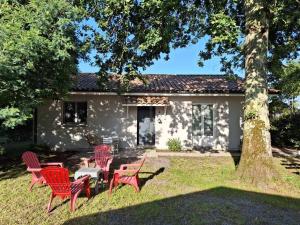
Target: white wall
(235, 122)
(178, 122)
(106, 116)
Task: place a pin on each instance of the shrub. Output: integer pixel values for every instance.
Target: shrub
(174, 144)
(285, 131)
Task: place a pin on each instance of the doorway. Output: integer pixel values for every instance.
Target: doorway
(146, 125)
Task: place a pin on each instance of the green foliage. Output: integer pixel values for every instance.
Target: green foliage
(38, 50)
(226, 28)
(129, 35)
(289, 79)
(278, 106)
(12, 116)
(174, 144)
(41, 39)
(285, 130)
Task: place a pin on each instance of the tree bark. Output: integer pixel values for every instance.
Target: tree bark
(256, 163)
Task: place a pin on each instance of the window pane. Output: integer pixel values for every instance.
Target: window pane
(208, 120)
(69, 112)
(81, 112)
(197, 120)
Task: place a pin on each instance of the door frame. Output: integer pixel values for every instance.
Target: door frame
(138, 125)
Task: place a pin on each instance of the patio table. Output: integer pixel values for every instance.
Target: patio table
(94, 174)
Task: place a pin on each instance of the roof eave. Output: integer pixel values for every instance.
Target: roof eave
(90, 92)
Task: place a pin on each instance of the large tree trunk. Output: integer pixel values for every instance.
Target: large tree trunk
(256, 163)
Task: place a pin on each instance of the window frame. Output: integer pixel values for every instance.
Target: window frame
(75, 113)
(202, 119)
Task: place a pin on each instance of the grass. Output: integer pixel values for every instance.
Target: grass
(175, 191)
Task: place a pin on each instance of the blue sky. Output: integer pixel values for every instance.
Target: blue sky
(182, 61)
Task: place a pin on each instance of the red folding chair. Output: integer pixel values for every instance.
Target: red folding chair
(59, 181)
(127, 174)
(103, 159)
(35, 167)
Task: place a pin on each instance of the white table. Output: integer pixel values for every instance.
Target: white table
(93, 172)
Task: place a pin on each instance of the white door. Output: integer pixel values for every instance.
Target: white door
(203, 125)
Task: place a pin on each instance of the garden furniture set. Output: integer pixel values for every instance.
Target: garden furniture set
(57, 178)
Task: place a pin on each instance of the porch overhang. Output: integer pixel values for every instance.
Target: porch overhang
(145, 101)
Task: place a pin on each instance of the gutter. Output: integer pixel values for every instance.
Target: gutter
(156, 94)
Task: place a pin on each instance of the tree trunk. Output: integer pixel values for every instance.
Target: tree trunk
(256, 163)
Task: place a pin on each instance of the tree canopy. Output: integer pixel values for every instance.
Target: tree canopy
(289, 79)
(38, 55)
(41, 41)
(129, 35)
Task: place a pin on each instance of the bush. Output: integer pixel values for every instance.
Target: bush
(285, 131)
(174, 144)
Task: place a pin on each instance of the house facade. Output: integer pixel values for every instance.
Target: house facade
(202, 111)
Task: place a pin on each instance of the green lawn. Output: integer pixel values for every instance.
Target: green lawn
(175, 191)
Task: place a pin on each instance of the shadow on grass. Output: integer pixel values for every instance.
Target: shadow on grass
(288, 160)
(11, 166)
(236, 156)
(54, 207)
(118, 161)
(143, 180)
(220, 205)
(12, 171)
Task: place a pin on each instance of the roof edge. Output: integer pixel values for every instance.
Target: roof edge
(169, 74)
(152, 94)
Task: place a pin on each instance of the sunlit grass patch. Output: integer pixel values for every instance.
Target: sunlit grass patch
(175, 191)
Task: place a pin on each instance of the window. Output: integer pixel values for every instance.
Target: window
(203, 120)
(75, 112)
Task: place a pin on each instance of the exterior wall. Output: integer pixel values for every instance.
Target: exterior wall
(107, 116)
(177, 122)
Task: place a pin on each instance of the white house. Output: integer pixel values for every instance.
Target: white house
(203, 111)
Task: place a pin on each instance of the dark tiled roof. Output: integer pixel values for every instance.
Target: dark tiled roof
(166, 84)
